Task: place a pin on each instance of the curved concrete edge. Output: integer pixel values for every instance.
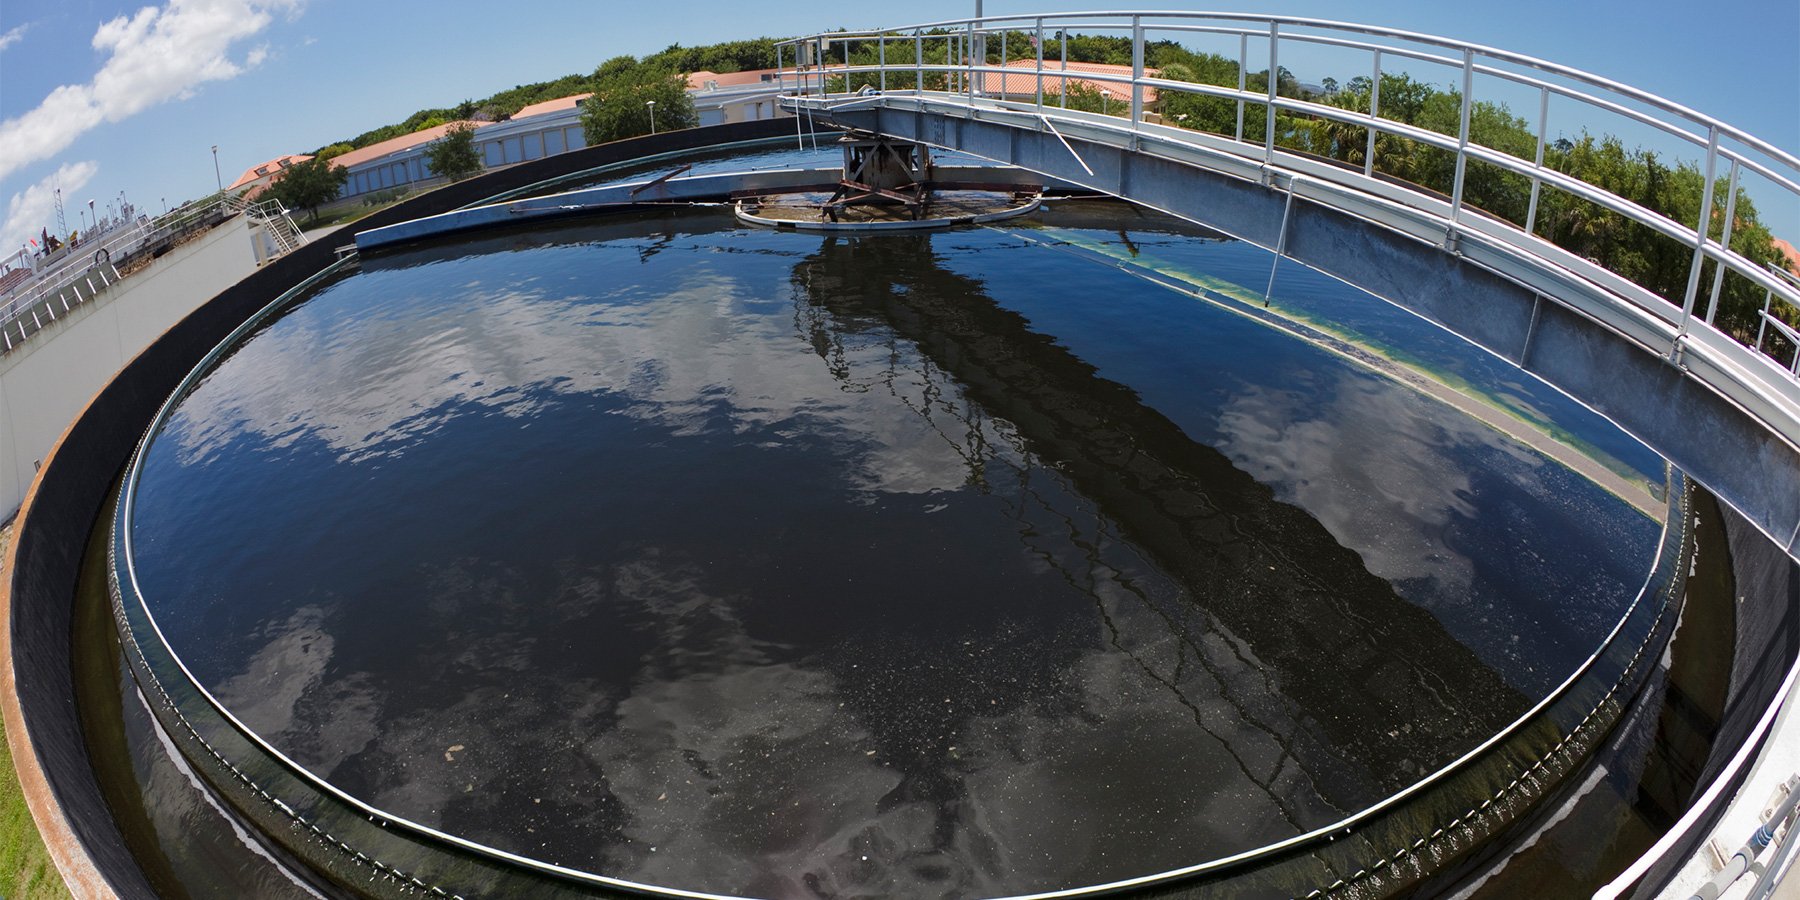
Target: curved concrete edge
(41, 568)
(79, 874)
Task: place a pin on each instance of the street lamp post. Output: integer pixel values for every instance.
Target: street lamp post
(652, 105)
(216, 176)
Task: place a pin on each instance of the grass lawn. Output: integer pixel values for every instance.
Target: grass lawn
(26, 872)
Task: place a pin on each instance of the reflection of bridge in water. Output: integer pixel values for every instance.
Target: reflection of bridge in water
(1257, 572)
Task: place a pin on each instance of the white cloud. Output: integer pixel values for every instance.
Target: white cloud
(34, 209)
(12, 37)
(158, 54)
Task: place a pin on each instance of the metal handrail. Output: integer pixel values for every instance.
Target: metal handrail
(1778, 167)
(57, 289)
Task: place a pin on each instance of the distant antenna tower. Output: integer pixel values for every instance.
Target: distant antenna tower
(62, 226)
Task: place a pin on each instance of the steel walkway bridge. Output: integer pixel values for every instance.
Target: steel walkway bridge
(1720, 408)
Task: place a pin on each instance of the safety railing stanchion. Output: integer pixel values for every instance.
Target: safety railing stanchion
(1065, 68)
(1537, 183)
(1137, 71)
(1274, 79)
(1462, 146)
(918, 62)
(1712, 305)
(1243, 74)
(1700, 230)
(1040, 66)
(1374, 112)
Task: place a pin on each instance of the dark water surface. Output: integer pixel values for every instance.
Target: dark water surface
(945, 565)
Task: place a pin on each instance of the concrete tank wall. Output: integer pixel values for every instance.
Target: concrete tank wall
(45, 383)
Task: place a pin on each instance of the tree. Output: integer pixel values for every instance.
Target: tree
(308, 185)
(454, 155)
(623, 89)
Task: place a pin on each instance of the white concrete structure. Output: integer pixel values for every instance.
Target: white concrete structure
(540, 130)
(46, 383)
(736, 97)
(548, 128)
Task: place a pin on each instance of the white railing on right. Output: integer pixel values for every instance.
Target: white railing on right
(1022, 62)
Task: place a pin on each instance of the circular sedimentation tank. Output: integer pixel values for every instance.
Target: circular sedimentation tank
(658, 552)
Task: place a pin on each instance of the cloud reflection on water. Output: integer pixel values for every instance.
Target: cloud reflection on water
(623, 693)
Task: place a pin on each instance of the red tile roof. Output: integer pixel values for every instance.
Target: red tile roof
(1789, 254)
(698, 80)
(549, 106)
(263, 169)
(1026, 84)
(395, 145)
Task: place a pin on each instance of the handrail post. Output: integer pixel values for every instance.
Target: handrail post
(1243, 72)
(1137, 71)
(1462, 144)
(881, 45)
(1065, 68)
(1274, 79)
(1537, 183)
(968, 54)
(1762, 323)
(918, 62)
(1374, 111)
(1040, 66)
(1712, 306)
(1700, 230)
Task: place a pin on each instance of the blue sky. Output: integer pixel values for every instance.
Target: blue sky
(102, 96)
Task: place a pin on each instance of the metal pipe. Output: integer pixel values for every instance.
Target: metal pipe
(1065, 68)
(1280, 243)
(1243, 66)
(1763, 321)
(1700, 230)
(1374, 110)
(1065, 143)
(1040, 66)
(1712, 306)
(1462, 142)
(1745, 857)
(1269, 119)
(1137, 70)
(1537, 183)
